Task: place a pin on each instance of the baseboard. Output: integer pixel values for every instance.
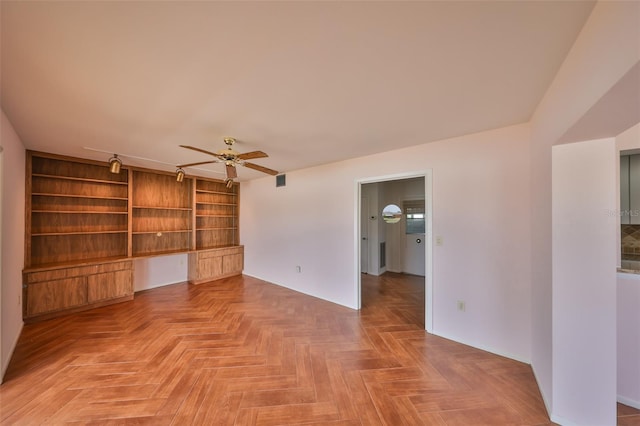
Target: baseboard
(13, 348)
(297, 290)
(559, 420)
(484, 348)
(547, 403)
(630, 402)
(378, 273)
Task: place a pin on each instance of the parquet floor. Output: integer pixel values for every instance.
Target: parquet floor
(242, 351)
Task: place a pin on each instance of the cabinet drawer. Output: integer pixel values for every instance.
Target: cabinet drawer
(219, 252)
(57, 274)
(109, 285)
(76, 271)
(115, 266)
(55, 295)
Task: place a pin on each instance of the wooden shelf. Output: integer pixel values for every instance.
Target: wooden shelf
(43, 234)
(76, 247)
(215, 215)
(162, 208)
(95, 197)
(204, 203)
(149, 243)
(217, 229)
(161, 232)
(205, 191)
(79, 179)
(78, 212)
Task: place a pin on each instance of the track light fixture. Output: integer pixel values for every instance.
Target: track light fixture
(115, 164)
(229, 182)
(179, 174)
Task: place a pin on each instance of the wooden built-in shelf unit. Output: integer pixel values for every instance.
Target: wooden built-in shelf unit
(85, 225)
(162, 219)
(216, 214)
(75, 212)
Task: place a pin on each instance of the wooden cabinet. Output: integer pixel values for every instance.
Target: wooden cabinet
(161, 214)
(49, 291)
(82, 221)
(212, 264)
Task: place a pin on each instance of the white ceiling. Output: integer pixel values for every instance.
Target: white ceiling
(307, 82)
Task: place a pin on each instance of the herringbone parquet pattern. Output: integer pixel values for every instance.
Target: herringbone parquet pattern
(242, 351)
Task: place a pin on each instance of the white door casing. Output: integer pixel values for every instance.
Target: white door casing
(364, 235)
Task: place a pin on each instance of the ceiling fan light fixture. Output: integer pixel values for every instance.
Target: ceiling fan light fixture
(179, 174)
(231, 159)
(115, 164)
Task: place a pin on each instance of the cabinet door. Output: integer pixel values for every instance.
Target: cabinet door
(54, 295)
(232, 263)
(624, 190)
(210, 267)
(634, 189)
(109, 285)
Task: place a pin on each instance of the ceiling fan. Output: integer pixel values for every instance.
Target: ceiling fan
(231, 158)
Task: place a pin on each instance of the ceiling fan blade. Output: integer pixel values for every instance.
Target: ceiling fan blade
(260, 168)
(251, 155)
(232, 173)
(197, 164)
(204, 151)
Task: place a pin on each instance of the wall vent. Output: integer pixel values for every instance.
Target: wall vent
(383, 254)
(281, 180)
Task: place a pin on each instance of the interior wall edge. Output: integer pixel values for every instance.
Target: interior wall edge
(5, 365)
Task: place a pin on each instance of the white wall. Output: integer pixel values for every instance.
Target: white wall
(13, 195)
(480, 207)
(629, 139)
(607, 47)
(628, 324)
(584, 282)
(152, 272)
(628, 340)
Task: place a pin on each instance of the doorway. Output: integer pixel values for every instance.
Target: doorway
(404, 247)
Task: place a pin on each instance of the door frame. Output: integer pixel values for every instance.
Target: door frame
(368, 256)
(428, 250)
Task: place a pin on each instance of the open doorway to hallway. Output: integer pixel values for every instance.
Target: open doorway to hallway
(398, 295)
(396, 245)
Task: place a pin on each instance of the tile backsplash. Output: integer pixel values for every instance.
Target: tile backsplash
(630, 238)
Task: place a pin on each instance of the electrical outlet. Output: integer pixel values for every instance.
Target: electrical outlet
(439, 241)
(461, 306)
